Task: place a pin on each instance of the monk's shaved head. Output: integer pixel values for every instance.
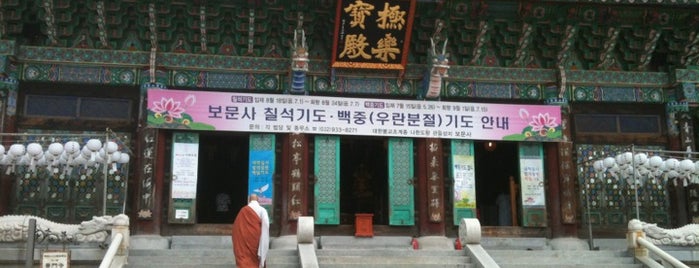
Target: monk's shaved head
(253, 197)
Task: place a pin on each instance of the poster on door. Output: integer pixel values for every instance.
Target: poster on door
(532, 176)
(260, 177)
(185, 165)
(464, 172)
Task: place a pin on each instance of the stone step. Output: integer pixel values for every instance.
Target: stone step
(391, 262)
(351, 242)
(559, 253)
(561, 265)
(390, 252)
(388, 258)
(198, 257)
(563, 258)
(574, 260)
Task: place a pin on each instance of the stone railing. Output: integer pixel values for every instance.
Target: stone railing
(644, 238)
(470, 238)
(99, 230)
(305, 238)
(118, 250)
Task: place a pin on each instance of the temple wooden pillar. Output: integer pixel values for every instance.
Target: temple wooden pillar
(562, 179)
(147, 186)
(430, 187)
(294, 181)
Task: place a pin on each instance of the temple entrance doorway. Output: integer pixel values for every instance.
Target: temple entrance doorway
(495, 163)
(223, 176)
(363, 179)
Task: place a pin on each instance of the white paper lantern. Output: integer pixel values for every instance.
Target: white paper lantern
(111, 147)
(124, 158)
(79, 161)
(609, 162)
(72, 147)
(620, 159)
(94, 145)
(640, 159)
(102, 155)
(55, 149)
(687, 166)
(655, 162)
(642, 170)
(34, 149)
(86, 153)
(672, 164)
(628, 157)
(615, 170)
(598, 166)
(115, 157)
(17, 150)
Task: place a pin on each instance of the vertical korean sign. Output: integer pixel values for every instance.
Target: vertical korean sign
(464, 172)
(372, 34)
(185, 165)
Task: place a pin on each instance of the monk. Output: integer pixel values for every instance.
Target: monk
(251, 235)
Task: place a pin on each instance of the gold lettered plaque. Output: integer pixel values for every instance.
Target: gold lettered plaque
(55, 259)
(372, 34)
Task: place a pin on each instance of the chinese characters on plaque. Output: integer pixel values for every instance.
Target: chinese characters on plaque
(297, 170)
(435, 193)
(372, 34)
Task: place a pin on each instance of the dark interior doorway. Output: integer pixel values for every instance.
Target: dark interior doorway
(223, 176)
(363, 179)
(495, 163)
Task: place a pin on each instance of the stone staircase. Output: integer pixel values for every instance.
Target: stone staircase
(348, 251)
(332, 252)
(382, 251)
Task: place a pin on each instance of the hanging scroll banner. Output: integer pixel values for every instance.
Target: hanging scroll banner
(372, 34)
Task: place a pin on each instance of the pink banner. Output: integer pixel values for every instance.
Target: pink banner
(276, 113)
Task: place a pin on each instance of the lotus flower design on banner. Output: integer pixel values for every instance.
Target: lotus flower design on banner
(171, 113)
(542, 126)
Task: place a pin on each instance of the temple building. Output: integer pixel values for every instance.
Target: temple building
(408, 114)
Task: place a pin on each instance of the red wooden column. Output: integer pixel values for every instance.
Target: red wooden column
(149, 181)
(294, 181)
(149, 172)
(562, 180)
(430, 187)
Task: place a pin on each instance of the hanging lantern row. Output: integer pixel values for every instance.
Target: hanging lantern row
(69, 155)
(640, 167)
